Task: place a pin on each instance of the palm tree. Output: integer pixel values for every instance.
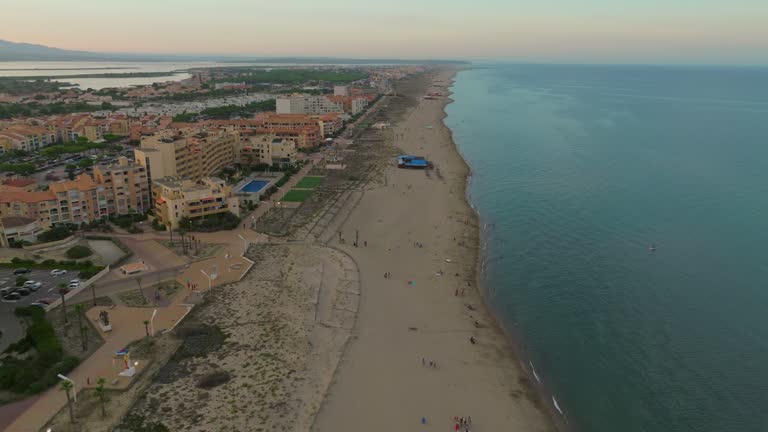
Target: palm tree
(83, 338)
(67, 387)
(146, 326)
(101, 394)
(62, 292)
(181, 232)
(141, 291)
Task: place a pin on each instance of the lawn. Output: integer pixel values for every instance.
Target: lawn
(297, 195)
(309, 183)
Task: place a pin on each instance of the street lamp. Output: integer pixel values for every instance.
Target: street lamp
(209, 279)
(245, 243)
(152, 322)
(74, 386)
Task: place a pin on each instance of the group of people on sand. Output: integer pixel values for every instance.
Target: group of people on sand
(387, 275)
(463, 423)
(425, 362)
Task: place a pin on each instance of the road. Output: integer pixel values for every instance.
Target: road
(109, 285)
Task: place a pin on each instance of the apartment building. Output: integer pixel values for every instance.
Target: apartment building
(189, 152)
(267, 148)
(329, 124)
(303, 129)
(25, 137)
(81, 200)
(67, 128)
(307, 104)
(176, 198)
(119, 189)
(351, 104)
(32, 205)
(129, 183)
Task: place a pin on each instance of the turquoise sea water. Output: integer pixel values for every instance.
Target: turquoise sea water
(578, 169)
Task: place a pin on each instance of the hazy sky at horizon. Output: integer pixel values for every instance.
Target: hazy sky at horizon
(657, 31)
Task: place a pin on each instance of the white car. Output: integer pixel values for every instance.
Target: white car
(75, 281)
(73, 285)
(32, 285)
(58, 272)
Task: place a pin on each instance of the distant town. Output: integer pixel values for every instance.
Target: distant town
(135, 147)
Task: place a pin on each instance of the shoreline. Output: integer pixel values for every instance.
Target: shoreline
(544, 395)
(417, 312)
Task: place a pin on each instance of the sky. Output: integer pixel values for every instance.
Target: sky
(589, 31)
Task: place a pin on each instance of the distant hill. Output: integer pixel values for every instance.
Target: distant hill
(13, 51)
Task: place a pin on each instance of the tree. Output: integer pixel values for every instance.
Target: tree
(141, 291)
(101, 394)
(83, 332)
(146, 326)
(71, 171)
(85, 163)
(63, 290)
(181, 232)
(67, 387)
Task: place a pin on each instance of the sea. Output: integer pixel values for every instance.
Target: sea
(625, 215)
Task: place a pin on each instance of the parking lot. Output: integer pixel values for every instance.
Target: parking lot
(9, 324)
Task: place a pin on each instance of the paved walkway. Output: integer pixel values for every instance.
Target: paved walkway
(127, 325)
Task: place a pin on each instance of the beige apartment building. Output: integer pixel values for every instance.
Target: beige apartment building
(267, 148)
(119, 189)
(307, 104)
(26, 138)
(190, 152)
(32, 205)
(129, 183)
(177, 198)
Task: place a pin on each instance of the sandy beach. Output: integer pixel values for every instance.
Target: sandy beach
(418, 226)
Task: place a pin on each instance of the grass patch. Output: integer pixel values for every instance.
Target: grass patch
(309, 183)
(297, 195)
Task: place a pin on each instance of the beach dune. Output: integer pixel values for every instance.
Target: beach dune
(419, 228)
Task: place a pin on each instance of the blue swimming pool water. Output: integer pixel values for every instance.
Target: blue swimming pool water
(254, 186)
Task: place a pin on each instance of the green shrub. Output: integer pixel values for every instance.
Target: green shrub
(58, 232)
(157, 226)
(39, 372)
(79, 251)
(88, 273)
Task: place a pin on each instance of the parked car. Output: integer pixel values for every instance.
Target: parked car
(38, 304)
(73, 285)
(5, 291)
(12, 296)
(58, 272)
(19, 271)
(23, 291)
(46, 301)
(32, 285)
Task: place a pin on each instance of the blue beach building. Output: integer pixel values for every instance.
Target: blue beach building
(406, 161)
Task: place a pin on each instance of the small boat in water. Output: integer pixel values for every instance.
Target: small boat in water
(652, 248)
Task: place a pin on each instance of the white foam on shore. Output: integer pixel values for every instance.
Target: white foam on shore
(533, 369)
(557, 407)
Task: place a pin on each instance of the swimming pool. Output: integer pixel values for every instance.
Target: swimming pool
(254, 186)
